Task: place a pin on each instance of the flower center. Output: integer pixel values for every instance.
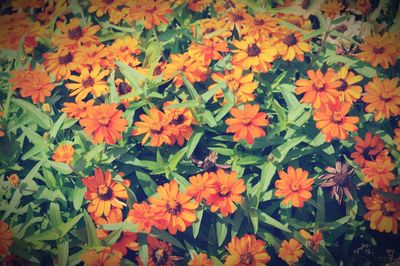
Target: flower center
(343, 86)
(75, 33)
(209, 30)
(63, 60)
(258, 22)
(151, 10)
(295, 187)
(104, 192)
(88, 83)
(337, 117)
(367, 153)
(341, 28)
(108, 2)
(386, 96)
(155, 128)
(290, 39)
(179, 120)
(253, 50)
(233, 84)
(229, 4)
(340, 179)
(103, 120)
(124, 88)
(378, 50)
(160, 257)
(318, 85)
(237, 17)
(173, 207)
(387, 209)
(224, 191)
(246, 259)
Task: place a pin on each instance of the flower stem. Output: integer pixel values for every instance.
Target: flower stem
(159, 42)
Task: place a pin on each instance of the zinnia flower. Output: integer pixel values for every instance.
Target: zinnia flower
(73, 35)
(290, 251)
(396, 138)
(6, 238)
(145, 216)
(379, 172)
(180, 125)
(201, 186)
(367, 149)
(332, 8)
(110, 7)
(294, 186)
(61, 63)
(103, 192)
(88, 82)
(292, 46)
(382, 97)
(333, 122)
(255, 54)
(160, 253)
(125, 50)
(77, 110)
(175, 207)
(104, 257)
(247, 250)
(379, 50)
(152, 12)
(382, 213)
(209, 50)
(319, 89)
(155, 125)
(64, 153)
(229, 190)
(200, 260)
(105, 123)
(247, 123)
(313, 241)
(349, 92)
(14, 180)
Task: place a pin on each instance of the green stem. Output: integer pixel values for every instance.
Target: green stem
(7, 103)
(159, 42)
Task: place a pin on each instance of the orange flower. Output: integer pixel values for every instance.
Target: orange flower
(105, 123)
(153, 12)
(209, 50)
(103, 192)
(180, 125)
(379, 172)
(291, 45)
(349, 92)
(241, 85)
(77, 110)
(61, 63)
(198, 5)
(396, 138)
(126, 240)
(229, 190)
(200, 260)
(382, 213)
(176, 208)
(14, 180)
(64, 153)
(212, 28)
(160, 253)
(88, 82)
(154, 125)
(124, 88)
(91, 56)
(194, 70)
(261, 26)
(379, 50)
(290, 251)
(104, 257)
(368, 149)
(145, 216)
(382, 97)
(6, 238)
(332, 8)
(247, 250)
(247, 123)
(294, 186)
(110, 7)
(125, 50)
(201, 186)
(73, 35)
(321, 88)
(236, 18)
(313, 241)
(222, 6)
(255, 54)
(333, 122)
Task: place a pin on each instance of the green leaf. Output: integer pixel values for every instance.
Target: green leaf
(63, 253)
(56, 127)
(222, 231)
(66, 227)
(265, 218)
(146, 182)
(143, 248)
(280, 152)
(392, 196)
(321, 206)
(196, 225)
(210, 93)
(193, 141)
(216, 261)
(192, 91)
(163, 235)
(35, 113)
(92, 240)
(35, 138)
(112, 238)
(133, 76)
(175, 159)
(62, 168)
(77, 197)
(113, 89)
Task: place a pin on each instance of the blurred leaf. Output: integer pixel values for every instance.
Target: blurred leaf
(265, 218)
(222, 230)
(193, 141)
(196, 225)
(143, 248)
(37, 115)
(92, 240)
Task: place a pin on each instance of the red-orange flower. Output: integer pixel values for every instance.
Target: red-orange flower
(209, 50)
(290, 251)
(247, 250)
(64, 153)
(200, 260)
(313, 241)
(6, 238)
(77, 110)
(155, 125)
(73, 35)
(180, 125)
(319, 89)
(103, 192)
(104, 257)
(379, 50)
(247, 123)
(160, 253)
(153, 12)
(367, 149)
(379, 172)
(105, 123)
(294, 186)
(201, 186)
(145, 216)
(175, 207)
(333, 122)
(229, 191)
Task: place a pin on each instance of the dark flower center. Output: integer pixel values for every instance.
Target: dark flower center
(75, 33)
(258, 22)
(224, 191)
(229, 4)
(173, 207)
(237, 17)
(385, 210)
(253, 50)
(318, 86)
(305, 4)
(337, 117)
(88, 82)
(63, 60)
(341, 179)
(343, 86)
(341, 28)
(209, 30)
(179, 120)
(160, 257)
(151, 10)
(108, 2)
(124, 88)
(104, 192)
(157, 71)
(366, 153)
(247, 259)
(378, 50)
(290, 39)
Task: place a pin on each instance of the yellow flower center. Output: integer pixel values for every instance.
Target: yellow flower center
(337, 117)
(103, 120)
(246, 121)
(295, 186)
(318, 85)
(386, 95)
(233, 84)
